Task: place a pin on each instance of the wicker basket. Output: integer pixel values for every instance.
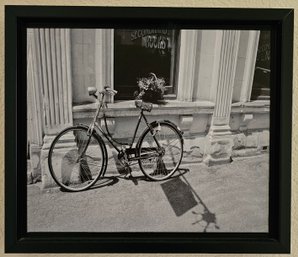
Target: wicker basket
(151, 89)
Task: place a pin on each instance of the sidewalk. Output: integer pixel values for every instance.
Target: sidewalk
(225, 198)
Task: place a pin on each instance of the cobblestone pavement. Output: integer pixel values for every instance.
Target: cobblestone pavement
(224, 198)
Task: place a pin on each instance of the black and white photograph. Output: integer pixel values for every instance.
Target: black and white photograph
(148, 130)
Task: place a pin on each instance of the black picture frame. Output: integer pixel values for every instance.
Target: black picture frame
(18, 240)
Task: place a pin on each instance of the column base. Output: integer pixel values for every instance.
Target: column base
(218, 148)
(210, 161)
(35, 172)
(46, 179)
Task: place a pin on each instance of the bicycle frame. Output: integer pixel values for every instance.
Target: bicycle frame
(107, 135)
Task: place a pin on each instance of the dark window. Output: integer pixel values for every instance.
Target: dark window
(261, 83)
(139, 52)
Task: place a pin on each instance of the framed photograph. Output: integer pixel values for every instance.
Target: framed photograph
(147, 130)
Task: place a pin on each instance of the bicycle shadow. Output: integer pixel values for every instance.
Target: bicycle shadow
(100, 183)
(112, 180)
(127, 172)
(183, 198)
(136, 179)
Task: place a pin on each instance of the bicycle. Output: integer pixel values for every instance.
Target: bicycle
(78, 155)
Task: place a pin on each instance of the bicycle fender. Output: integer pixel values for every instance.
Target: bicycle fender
(81, 125)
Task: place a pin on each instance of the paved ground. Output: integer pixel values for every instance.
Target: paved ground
(224, 198)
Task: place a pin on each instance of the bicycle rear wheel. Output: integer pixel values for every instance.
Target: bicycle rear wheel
(76, 160)
(160, 163)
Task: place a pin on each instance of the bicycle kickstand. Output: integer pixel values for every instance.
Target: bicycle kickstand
(128, 170)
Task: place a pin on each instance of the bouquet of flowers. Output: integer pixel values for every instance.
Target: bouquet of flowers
(151, 89)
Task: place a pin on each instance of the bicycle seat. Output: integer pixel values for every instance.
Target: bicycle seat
(143, 106)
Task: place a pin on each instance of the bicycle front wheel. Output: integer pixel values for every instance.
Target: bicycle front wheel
(76, 160)
(160, 151)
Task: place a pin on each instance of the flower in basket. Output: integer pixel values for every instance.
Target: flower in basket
(151, 89)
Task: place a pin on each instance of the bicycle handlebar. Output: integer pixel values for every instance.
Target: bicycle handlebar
(108, 90)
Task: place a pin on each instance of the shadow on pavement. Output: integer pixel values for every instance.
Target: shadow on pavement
(105, 181)
(179, 195)
(182, 198)
(135, 179)
(102, 182)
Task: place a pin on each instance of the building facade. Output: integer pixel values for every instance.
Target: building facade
(217, 87)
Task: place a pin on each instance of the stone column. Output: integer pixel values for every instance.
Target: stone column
(54, 50)
(35, 121)
(246, 62)
(207, 68)
(198, 64)
(104, 58)
(53, 64)
(188, 62)
(104, 66)
(188, 73)
(219, 145)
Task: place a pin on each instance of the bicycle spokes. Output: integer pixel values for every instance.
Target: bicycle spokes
(168, 152)
(76, 160)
